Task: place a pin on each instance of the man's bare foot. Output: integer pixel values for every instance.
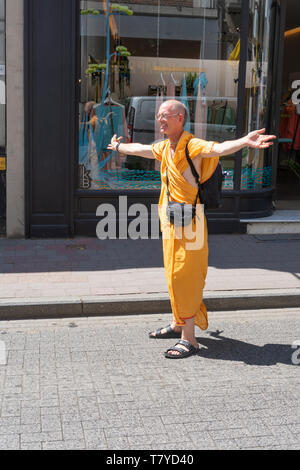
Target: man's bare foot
(181, 349)
(188, 338)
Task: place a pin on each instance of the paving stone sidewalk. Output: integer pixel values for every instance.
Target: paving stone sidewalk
(101, 383)
(90, 267)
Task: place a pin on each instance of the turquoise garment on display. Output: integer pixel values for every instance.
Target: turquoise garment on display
(110, 120)
(184, 100)
(200, 107)
(202, 80)
(83, 141)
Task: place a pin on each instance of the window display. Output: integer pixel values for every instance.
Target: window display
(135, 55)
(257, 164)
(2, 79)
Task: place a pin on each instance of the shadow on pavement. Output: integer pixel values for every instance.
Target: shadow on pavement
(229, 349)
(275, 253)
(269, 252)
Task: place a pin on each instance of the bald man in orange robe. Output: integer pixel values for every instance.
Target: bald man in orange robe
(185, 262)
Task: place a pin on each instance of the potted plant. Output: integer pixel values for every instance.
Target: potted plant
(190, 78)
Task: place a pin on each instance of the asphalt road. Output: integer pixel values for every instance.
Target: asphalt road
(101, 383)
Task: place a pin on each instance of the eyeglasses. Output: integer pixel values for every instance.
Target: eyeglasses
(164, 116)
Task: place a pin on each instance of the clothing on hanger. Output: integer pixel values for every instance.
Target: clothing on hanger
(221, 113)
(200, 113)
(200, 119)
(100, 123)
(290, 127)
(184, 100)
(213, 110)
(200, 80)
(235, 54)
(171, 86)
(171, 89)
(83, 140)
(110, 121)
(86, 127)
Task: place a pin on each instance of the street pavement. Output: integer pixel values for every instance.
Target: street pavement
(87, 276)
(101, 383)
(78, 371)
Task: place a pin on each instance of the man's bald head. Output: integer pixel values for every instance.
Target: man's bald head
(176, 106)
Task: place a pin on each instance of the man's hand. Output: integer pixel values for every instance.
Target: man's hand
(257, 139)
(136, 149)
(114, 142)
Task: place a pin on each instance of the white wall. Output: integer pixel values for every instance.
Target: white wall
(147, 71)
(15, 213)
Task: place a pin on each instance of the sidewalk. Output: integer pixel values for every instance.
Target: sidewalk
(101, 384)
(71, 380)
(86, 276)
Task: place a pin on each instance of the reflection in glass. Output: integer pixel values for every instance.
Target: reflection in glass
(140, 54)
(256, 164)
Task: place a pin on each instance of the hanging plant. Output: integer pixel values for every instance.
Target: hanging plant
(126, 54)
(123, 51)
(121, 8)
(124, 70)
(190, 78)
(95, 69)
(90, 11)
(121, 48)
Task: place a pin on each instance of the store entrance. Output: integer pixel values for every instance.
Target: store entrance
(288, 175)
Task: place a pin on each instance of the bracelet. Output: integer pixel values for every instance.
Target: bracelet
(117, 146)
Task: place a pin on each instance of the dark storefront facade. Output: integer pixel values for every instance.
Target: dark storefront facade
(89, 75)
(2, 120)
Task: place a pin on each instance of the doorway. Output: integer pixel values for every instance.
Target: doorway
(288, 175)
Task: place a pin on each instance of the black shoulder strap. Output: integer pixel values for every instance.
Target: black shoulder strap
(194, 173)
(167, 181)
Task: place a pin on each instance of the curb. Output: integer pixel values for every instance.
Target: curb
(141, 304)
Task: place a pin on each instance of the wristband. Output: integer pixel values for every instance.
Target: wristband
(117, 146)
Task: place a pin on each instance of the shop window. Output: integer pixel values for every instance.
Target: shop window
(144, 53)
(257, 164)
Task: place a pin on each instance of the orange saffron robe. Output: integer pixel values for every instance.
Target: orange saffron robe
(185, 267)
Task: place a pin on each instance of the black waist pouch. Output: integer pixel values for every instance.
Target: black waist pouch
(180, 214)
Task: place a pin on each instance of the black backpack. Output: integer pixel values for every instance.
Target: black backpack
(210, 192)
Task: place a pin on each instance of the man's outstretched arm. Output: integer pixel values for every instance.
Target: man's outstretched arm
(256, 139)
(130, 149)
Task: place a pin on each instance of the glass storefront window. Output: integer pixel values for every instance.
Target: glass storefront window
(257, 164)
(2, 79)
(141, 54)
